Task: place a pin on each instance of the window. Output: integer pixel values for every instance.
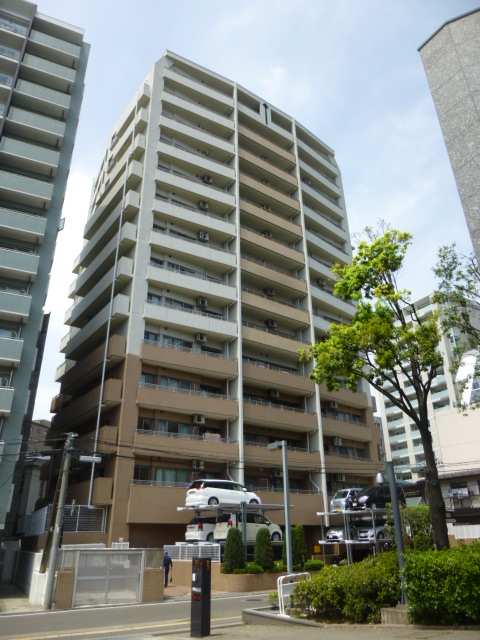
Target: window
(145, 423)
(169, 477)
(148, 378)
(141, 473)
(175, 383)
(150, 336)
(177, 304)
(153, 297)
(180, 429)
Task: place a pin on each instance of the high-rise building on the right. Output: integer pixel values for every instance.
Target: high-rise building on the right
(451, 58)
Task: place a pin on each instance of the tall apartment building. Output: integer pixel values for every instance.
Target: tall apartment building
(402, 438)
(451, 62)
(218, 218)
(42, 70)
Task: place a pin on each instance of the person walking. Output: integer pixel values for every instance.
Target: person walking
(167, 565)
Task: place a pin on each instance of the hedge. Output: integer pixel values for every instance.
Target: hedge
(444, 586)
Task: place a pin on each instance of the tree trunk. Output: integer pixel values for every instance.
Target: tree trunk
(433, 492)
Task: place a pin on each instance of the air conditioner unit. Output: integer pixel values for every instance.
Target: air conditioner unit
(271, 324)
(266, 206)
(277, 473)
(201, 337)
(333, 405)
(274, 393)
(207, 179)
(267, 233)
(198, 418)
(340, 477)
(321, 283)
(203, 236)
(269, 292)
(265, 182)
(337, 442)
(202, 302)
(203, 205)
(198, 464)
(307, 181)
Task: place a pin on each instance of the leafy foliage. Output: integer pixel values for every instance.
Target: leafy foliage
(301, 542)
(350, 593)
(416, 527)
(296, 558)
(444, 587)
(253, 567)
(234, 553)
(263, 550)
(313, 565)
(388, 343)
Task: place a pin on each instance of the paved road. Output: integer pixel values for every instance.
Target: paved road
(142, 620)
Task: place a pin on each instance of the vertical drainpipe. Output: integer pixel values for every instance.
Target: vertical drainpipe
(110, 309)
(241, 458)
(312, 330)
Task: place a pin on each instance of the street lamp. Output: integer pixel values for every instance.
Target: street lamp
(397, 523)
(286, 497)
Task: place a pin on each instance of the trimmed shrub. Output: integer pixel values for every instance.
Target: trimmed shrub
(234, 553)
(354, 593)
(263, 551)
(238, 572)
(253, 567)
(301, 542)
(313, 565)
(444, 586)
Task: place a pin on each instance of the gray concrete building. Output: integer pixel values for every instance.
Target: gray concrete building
(451, 57)
(42, 71)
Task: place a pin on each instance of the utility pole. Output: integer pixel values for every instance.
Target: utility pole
(52, 564)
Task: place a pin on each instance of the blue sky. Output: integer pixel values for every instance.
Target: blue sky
(348, 70)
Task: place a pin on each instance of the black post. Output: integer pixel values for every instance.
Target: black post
(201, 598)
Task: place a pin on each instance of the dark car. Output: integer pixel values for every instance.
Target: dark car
(375, 497)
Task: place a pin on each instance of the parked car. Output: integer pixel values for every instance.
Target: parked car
(337, 533)
(367, 533)
(341, 499)
(200, 529)
(215, 492)
(375, 497)
(255, 521)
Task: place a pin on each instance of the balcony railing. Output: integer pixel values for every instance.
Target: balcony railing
(269, 211)
(192, 151)
(262, 295)
(259, 233)
(274, 331)
(271, 266)
(13, 26)
(323, 215)
(188, 436)
(193, 126)
(172, 92)
(189, 392)
(335, 416)
(160, 303)
(193, 79)
(170, 232)
(282, 407)
(330, 242)
(192, 179)
(177, 203)
(190, 350)
(276, 367)
(194, 274)
(289, 447)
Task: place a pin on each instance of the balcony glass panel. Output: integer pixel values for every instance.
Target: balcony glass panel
(9, 52)
(5, 78)
(5, 23)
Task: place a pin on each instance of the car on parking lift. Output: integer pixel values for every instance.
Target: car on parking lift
(200, 529)
(214, 492)
(375, 497)
(255, 522)
(341, 499)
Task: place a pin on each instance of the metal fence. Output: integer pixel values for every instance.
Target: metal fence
(189, 551)
(75, 518)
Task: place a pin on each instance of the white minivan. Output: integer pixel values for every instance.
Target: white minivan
(215, 492)
(255, 521)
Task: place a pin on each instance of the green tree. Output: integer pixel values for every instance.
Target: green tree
(301, 542)
(386, 341)
(234, 552)
(296, 558)
(263, 550)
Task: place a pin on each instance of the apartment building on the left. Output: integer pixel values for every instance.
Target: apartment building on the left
(42, 71)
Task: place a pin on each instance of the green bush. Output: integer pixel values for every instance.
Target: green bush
(234, 553)
(416, 527)
(313, 565)
(296, 558)
(273, 598)
(253, 567)
(301, 542)
(444, 586)
(263, 551)
(238, 572)
(354, 593)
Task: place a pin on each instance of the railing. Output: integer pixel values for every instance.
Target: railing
(271, 266)
(274, 331)
(334, 416)
(322, 193)
(13, 26)
(270, 186)
(6, 78)
(324, 216)
(175, 69)
(187, 123)
(327, 318)
(289, 447)
(187, 177)
(190, 350)
(195, 274)
(267, 365)
(259, 233)
(13, 289)
(190, 207)
(331, 242)
(262, 136)
(169, 232)
(11, 247)
(75, 518)
(172, 92)
(192, 151)
(262, 295)
(189, 392)
(9, 52)
(273, 213)
(186, 552)
(187, 436)
(161, 483)
(282, 407)
(345, 456)
(160, 303)
(329, 265)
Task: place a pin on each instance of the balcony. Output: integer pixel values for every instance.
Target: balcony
(345, 397)
(278, 341)
(103, 260)
(47, 73)
(217, 291)
(6, 400)
(29, 157)
(14, 305)
(33, 96)
(86, 407)
(10, 351)
(191, 188)
(217, 327)
(213, 450)
(27, 124)
(332, 251)
(257, 166)
(222, 148)
(194, 161)
(28, 191)
(255, 141)
(262, 191)
(192, 218)
(259, 218)
(43, 45)
(332, 425)
(400, 453)
(211, 405)
(101, 495)
(260, 243)
(267, 414)
(19, 264)
(205, 254)
(90, 366)
(106, 444)
(256, 122)
(274, 276)
(289, 314)
(210, 120)
(257, 455)
(195, 361)
(131, 207)
(199, 91)
(22, 226)
(264, 376)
